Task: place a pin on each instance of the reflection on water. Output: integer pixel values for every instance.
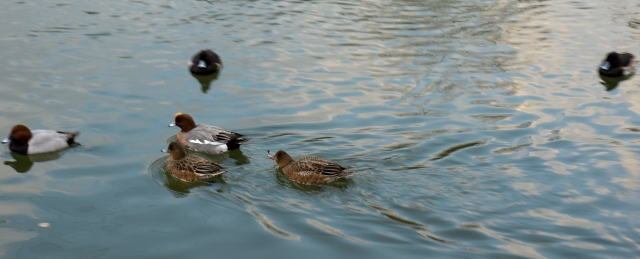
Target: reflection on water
(611, 83)
(479, 129)
(22, 163)
(205, 81)
(237, 155)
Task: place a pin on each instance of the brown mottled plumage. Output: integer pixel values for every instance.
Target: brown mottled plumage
(190, 168)
(309, 169)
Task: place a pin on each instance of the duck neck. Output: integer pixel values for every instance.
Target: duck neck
(188, 126)
(18, 147)
(179, 153)
(290, 160)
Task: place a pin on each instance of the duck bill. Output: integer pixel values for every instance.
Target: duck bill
(172, 124)
(5, 141)
(164, 150)
(270, 154)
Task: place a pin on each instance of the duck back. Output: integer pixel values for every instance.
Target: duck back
(48, 141)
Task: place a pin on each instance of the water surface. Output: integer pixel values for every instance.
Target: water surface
(477, 129)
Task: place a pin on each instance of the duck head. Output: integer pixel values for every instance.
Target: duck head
(176, 150)
(184, 121)
(282, 158)
(19, 133)
(612, 60)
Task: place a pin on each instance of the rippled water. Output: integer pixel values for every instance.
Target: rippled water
(478, 129)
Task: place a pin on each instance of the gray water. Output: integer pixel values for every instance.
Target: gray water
(477, 129)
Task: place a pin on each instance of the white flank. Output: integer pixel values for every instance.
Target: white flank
(206, 142)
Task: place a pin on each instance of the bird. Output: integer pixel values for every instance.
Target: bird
(190, 168)
(205, 138)
(617, 64)
(205, 62)
(308, 169)
(24, 141)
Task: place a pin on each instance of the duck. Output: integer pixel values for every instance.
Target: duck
(205, 138)
(308, 169)
(24, 141)
(205, 62)
(190, 168)
(617, 64)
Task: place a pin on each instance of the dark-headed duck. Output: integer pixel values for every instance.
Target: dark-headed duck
(617, 64)
(205, 138)
(205, 62)
(26, 142)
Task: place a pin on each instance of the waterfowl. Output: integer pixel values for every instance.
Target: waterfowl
(205, 62)
(617, 64)
(190, 168)
(205, 138)
(309, 169)
(26, 142)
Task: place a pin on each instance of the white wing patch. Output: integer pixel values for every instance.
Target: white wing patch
(206, 142)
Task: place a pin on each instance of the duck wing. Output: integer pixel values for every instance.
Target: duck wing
(204, 167)
(212, 134)
(43, 141)
(212, 139)
(316, 165)
(626, 59)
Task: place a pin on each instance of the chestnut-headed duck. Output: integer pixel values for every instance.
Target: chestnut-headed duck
(190, 168)
(205, 138)
(26, 142)
(617, 64)
(205, 62)
(309, 169)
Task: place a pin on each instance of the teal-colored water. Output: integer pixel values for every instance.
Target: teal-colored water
(477, 129)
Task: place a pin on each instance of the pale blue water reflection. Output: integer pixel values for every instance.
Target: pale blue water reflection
(479, 129)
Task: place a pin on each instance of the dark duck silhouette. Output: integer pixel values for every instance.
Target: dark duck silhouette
(617, 64)
(205, 62)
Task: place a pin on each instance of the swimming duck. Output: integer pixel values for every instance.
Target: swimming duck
(205, 62)
(190, 168)
(617, 64)
(26, 142)
(309, 169)
(205, 138)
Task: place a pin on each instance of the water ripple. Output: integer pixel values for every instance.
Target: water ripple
(476, 128)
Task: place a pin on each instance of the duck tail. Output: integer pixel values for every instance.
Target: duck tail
(219, 173)
(236, 142)
(70, 136)
(345, 174)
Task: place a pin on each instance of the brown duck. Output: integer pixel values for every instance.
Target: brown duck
(309, 169)
(190, 168)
